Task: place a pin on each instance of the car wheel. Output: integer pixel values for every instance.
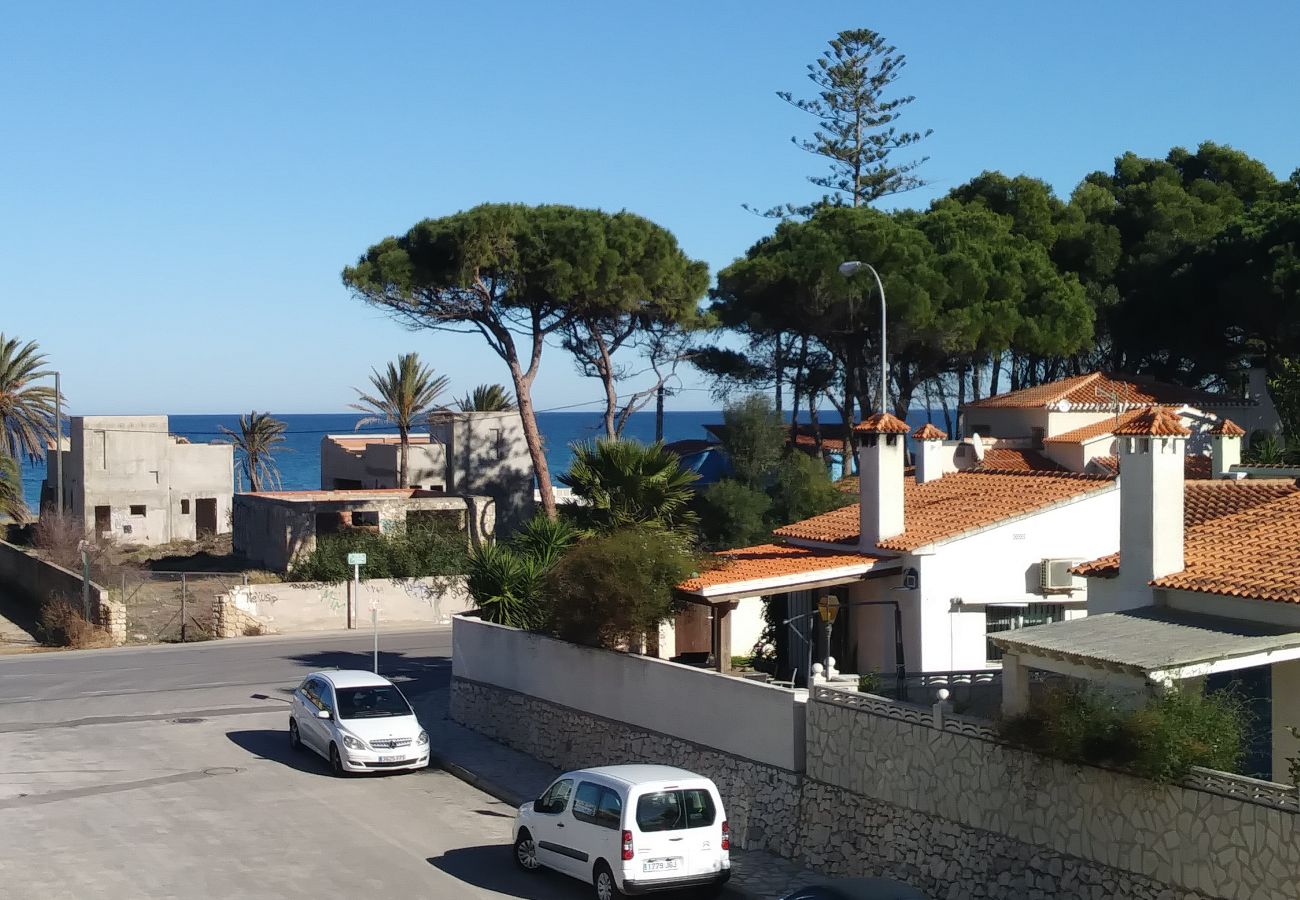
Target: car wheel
(526, 852)
(606, 886)
(336, 762)
(295, 739)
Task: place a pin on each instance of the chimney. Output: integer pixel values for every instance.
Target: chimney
(1151, 448)
(929, 453)
(1225, 448)
(881, 451)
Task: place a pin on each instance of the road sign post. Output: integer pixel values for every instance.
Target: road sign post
(356, 561)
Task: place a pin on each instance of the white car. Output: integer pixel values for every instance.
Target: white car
(357, 720)
(628, 830)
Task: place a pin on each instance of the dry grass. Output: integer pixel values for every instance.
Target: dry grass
(62, 625)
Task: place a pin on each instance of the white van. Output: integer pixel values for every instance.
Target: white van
(628, 830)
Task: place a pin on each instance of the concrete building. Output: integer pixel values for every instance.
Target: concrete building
(464, 453)
(127, 478)
(275, 528)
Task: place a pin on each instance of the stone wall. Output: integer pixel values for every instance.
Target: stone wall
(762, 800)
(937, 806)
(301, 606)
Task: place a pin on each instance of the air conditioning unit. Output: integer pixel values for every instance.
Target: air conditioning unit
(1054, 575)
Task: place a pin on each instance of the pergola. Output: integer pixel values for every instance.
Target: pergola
(766, 570)
(1140, 650)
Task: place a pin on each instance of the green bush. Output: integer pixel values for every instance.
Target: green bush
(734, 515)
(803, 489)
(1161, 740)
(609, 591)
(505, 579)
(411, 552)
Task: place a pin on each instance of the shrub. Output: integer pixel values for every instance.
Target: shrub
(869, 683)
(63, 625)
(754, 438)
(734, 515)
(803, 489)
(1161, 740)
(505, 580)
(411, 552)
(609, 591)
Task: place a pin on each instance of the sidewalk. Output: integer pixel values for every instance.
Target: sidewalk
(514, 777)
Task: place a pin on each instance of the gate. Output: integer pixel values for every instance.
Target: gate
(171, 607)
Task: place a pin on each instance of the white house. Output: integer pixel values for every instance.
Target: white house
(926, 565)
(1206, 585)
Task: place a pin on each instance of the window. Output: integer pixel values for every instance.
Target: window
(378, 702)
(137, 510)
(556, 797)
(185, 507)
(981, 429)
(365, 517)
(998, 619)
(597, 805)
(675, 810)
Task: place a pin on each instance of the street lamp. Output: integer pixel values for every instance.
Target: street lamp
(848, 270)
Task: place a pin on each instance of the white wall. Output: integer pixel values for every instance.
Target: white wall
(1001, 565)
(749, 719)
(1286, 713)
(315, 606)
(747, 625)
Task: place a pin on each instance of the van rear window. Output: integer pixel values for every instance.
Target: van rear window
(675, 810)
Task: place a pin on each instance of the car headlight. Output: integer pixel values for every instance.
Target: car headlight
(354, 743)
(423, 738)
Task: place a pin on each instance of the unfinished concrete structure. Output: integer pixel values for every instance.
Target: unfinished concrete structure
(464, 453)
(275, 528)
(127, 478)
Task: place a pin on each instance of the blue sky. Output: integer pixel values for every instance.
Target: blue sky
(180, 184)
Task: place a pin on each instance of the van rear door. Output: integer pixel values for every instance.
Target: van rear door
(677, 832)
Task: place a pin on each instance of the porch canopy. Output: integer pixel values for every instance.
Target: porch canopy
(1153, 646)
(768, 569)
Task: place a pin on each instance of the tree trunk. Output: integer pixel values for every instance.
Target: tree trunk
(815, 422)
(605, 368)
(778, 370)
(403, 475)
(850, 396)
(995, 375)
(532, 436)
(797, 390)
(961, 386)
(974, 380)
(250, 466)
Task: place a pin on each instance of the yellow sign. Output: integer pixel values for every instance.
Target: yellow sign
(828, 607)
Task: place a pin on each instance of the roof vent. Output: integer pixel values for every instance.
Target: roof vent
(1054, 576)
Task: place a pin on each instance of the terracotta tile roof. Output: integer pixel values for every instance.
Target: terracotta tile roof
(359, 443)
(1195, 466)
(1016, 459)
(1228, 428)
(805, 438)
(929, 432)
(1096, 430)
(954, 505)
(881, 423)
(1155, 421)
(1205, 502)
(771, 561)
(1253, 553)
(1097, 390)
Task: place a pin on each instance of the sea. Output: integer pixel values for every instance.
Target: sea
(299, 460)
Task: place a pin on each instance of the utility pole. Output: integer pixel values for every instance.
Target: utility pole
(58, 441)
(659, 413)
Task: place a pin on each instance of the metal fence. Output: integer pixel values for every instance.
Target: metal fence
(170, 606)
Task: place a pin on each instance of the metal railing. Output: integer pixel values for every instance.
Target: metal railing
(1283, 797)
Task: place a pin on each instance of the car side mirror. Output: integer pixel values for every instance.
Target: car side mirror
(538, 806)
(323, 714)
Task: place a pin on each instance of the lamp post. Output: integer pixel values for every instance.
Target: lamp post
(58, 440)
(848, 270)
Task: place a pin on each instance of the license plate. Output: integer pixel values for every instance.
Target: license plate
(660, 865)
(391, 758)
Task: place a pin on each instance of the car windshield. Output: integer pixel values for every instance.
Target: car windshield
(375, 702)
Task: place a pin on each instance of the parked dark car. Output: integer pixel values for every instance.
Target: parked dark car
(857, 889)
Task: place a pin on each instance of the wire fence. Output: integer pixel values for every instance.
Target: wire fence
(171, 607)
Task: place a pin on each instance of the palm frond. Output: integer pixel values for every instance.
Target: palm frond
(258, 439)
(12, 503)
(26, 409)
(625, 482)
(488, 398)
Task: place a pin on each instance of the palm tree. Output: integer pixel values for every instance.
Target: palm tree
(12, 503)
(258, 438)
(623, 482)
(26, 409)
(488, 398)
(403, 395)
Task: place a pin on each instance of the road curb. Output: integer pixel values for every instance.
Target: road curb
(486, 785)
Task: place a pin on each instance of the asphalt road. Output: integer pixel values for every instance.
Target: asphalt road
(165, 772)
